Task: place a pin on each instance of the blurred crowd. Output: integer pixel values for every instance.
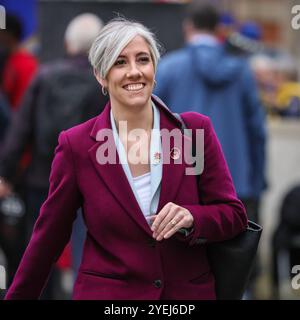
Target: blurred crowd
(37, 101)
(276, 71)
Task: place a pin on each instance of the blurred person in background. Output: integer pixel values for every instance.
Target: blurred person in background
(287, 102)
(205, 78)
(264, 68)
(18, 69)
(63, 94)
(278, 81)
(226, 26)
(18, 64)
(5, 115)
(285, 247)
(245, 40)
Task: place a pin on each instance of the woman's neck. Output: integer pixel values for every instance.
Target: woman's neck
(141, 118)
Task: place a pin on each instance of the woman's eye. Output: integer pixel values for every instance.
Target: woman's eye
(119, 62)
(144, 59)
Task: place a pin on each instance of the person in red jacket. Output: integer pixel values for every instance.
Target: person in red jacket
(20, 65)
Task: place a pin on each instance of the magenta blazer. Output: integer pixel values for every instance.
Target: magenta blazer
(120, 259)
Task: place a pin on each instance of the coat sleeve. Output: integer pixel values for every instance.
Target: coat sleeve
(220, 215)
(52, 229)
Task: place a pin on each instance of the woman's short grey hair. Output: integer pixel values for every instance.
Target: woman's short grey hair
(113, 38)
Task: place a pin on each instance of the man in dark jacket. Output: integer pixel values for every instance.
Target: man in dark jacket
(203, 77)
(63, 94)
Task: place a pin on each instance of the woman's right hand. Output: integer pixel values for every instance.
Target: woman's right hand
(5, 188)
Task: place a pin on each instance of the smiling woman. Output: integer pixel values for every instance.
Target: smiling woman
(130, 80)
(147, 222)
(125, 58)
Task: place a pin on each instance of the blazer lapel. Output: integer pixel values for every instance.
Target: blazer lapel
(173, 169)
(113, 175)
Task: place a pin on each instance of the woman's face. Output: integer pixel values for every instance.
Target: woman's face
(130, 80)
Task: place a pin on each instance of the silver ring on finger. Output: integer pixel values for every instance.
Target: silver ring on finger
(173, 222)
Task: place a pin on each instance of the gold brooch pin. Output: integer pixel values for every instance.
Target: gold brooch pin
(175, 153)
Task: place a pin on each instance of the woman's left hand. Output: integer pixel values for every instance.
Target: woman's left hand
(169, 220)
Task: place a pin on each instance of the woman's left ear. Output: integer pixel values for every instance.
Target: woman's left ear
(102, 81)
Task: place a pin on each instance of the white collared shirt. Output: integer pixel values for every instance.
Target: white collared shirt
(142, 186)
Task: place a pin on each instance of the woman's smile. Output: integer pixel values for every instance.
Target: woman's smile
(134, 86)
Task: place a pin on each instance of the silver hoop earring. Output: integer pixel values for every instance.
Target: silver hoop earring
(104, 91)
(154, 83)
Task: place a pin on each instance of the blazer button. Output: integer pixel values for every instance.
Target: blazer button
(157, 283)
